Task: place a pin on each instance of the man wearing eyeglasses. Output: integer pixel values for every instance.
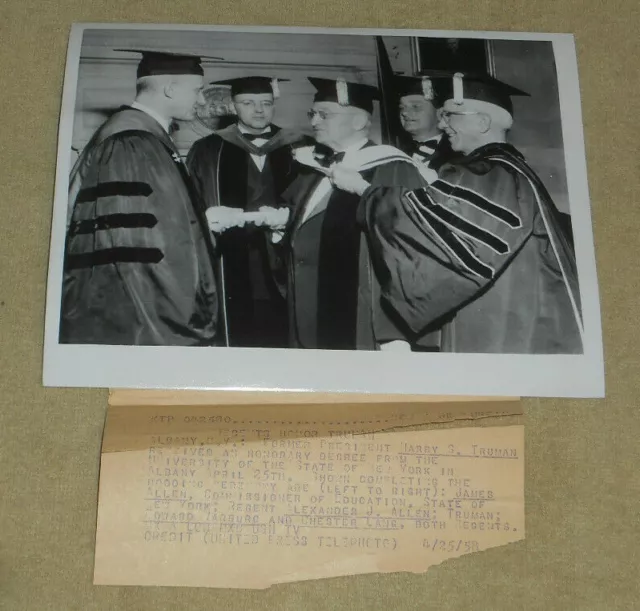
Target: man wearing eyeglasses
(333, 293)
(482, 252)
(241, 171)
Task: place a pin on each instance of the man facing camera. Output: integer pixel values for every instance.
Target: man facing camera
(139, 262)
(482, 251)
(333, 294)
(420, 98)
(241, 169)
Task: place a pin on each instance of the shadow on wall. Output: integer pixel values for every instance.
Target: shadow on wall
(537, 128)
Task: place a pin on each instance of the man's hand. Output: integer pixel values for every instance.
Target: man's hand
(347, 180)
(274, 218)
(221, 218)
(396, 345)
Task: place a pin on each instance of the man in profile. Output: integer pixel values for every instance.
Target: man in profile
(138, 267)
(481, 252)
(240, 172)
(334, 300)
(419, 99)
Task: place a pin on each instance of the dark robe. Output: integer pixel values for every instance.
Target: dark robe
(253, 274)
(484, 249)
(139, 261)
(333, 295)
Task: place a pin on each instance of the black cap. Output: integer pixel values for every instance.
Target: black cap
(433, 85)
(253, 84)
(345, 93)
(485, 88)
(154, 63)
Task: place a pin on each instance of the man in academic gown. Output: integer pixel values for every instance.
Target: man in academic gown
(139, 261)
(483, 244)
(419, 99)
(333, 294)
(244, 168)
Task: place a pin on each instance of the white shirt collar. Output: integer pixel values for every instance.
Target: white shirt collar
(244, 130)
(153, 114)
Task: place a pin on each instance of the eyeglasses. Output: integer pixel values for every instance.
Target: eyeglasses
(445, 115)
(323, 115)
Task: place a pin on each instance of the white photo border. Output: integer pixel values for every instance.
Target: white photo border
(254, 369)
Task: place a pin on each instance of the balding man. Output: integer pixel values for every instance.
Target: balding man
(333, 294)
(481, 252)
(138, 267)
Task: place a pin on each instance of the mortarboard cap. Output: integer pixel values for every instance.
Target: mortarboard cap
(154, 63)
(253, 84)
(345, 93)
(484, 88)
(433, 85)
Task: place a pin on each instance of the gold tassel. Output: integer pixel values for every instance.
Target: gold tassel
(342, 91)
(427, 88)
(458, 94)
(275, 88)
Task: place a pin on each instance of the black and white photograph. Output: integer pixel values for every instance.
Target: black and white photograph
(308, 209)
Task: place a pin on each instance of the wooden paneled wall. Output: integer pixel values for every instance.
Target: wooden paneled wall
(537, 129)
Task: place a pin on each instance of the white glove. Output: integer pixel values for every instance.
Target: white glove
(274, 218)
(221, 218)
(347, 179)
(397, 345)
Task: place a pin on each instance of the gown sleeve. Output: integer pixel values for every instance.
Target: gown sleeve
(387, 326)
(440, 245)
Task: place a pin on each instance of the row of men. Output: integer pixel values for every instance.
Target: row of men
(265, 239)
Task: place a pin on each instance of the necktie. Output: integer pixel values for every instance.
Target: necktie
(252, 137)
(425, 149)
(327, 159)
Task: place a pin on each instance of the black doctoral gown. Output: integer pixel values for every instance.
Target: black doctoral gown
(250, 267)
(139, 261)
(482, 251)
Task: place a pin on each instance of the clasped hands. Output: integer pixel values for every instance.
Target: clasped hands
(222, 218)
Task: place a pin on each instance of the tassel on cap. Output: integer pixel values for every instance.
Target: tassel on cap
(458, 95)
(345, 93)
(275, 88)
(342, 92)
(427, 88)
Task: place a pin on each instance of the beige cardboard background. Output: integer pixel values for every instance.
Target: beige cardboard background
(582, 456)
